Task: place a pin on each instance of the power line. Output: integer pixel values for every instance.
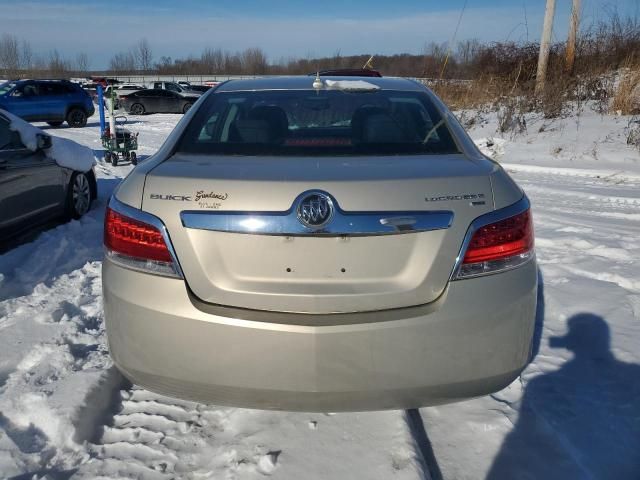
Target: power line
(455, 33)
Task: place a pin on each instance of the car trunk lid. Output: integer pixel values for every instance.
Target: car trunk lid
(404, 262)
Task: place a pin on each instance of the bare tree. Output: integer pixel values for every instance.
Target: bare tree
(82, 63)
(433, 58)
(122, 62)
(38, 63)
(212, 60)
(164, 65)
(232, 63)
(9, 54)
(467, 50)
(143, 55)
(26, 56)
(58, 66)
(254, 61)
(337, 59)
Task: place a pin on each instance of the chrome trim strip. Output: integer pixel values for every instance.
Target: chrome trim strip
(342, 224)
(131, 212)
(483, 220)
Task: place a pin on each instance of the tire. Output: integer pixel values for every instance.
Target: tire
(114, 159)
(55, 124)
(186, 107)
(79, 196)
(77, 118)
(137, 109)
(107, 157)
(134, 158)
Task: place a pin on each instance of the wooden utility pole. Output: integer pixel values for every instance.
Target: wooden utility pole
(545, 45)
(571, 40)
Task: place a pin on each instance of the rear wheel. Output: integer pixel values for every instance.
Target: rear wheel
(186, 107)
(134, 158)
(79, 195)
(77, 118)
(137, 109)
(107, 157)
(55, 124)
(114, 159)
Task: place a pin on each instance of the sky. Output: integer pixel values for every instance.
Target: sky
(282, 28)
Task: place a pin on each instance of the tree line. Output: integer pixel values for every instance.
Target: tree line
(607, 45)
(17, 59)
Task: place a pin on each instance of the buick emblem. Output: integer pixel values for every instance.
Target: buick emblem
(315, 210)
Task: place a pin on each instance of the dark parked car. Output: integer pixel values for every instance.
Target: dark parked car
(157, 101)
(51, 101)
(34, 188)
(175, 87)
(199, 88)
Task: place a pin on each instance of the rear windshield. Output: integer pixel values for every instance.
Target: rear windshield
(309, 122)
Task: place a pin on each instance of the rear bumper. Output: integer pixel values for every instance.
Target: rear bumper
(472, 341)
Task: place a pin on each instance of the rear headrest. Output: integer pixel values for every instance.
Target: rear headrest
(264, 124)
(251, 131)
(371, 124)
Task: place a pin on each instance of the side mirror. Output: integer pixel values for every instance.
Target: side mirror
(44, 141)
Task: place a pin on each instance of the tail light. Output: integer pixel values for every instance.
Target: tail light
(499, 246)
(138, 245)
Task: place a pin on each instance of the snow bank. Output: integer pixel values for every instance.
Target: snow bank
(491, 147)
(66, 153)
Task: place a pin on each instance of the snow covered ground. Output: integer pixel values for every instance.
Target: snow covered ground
(65, 412)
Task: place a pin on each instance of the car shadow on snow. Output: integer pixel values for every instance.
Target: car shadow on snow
(100, 406)
(581, 421)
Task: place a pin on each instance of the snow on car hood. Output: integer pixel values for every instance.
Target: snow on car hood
(65, 152)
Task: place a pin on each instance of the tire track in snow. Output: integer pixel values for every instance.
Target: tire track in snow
(156, 437)
(586, 229)
(137, 442)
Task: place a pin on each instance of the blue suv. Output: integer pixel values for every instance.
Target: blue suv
(51, 101)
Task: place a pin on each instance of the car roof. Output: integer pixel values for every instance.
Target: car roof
(306, 83)
(43, 80)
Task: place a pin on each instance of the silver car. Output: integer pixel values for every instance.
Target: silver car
(320, 245)
(34, 188)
